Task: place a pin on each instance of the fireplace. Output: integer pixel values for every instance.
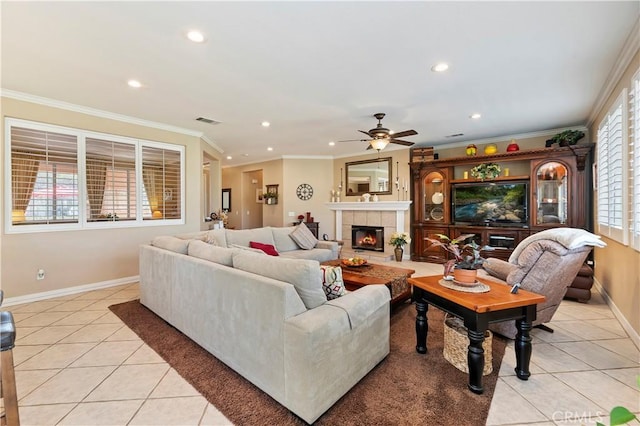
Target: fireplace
(367, 237)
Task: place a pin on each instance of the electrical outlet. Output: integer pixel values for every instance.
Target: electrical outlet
(40, 275)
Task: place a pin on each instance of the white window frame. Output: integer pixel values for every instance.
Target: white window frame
(607, 225)
(83, 223)
(634, 159)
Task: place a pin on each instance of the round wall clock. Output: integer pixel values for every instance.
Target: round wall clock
(304, 191)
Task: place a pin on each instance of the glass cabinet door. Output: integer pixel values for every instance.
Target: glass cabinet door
(551, 193)
(434, 197)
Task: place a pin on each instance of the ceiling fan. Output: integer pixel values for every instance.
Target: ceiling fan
(381, 136)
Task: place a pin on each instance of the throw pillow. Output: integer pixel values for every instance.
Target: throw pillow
(245, 248)
(267, 248)
(332, 282)
(304, 237)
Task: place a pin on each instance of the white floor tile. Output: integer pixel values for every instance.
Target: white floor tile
(628, 376)
(171, 411)
(552, 359)
(102, 413)
(624, 347)
(503, 409)
(121, 384)
(595, 355)
(600, 387)
(172, 385)
(56, 356)
(41, 415)
(70, 385)
(107, 353)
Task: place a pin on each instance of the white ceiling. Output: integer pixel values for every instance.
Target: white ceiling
(318, 71)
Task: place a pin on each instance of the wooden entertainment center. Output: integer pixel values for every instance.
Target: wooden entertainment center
(558, 184)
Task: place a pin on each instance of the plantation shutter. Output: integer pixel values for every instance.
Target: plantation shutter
(44, 177)
(111, 180)
(634, 157)
(161, 175)
(612, 209)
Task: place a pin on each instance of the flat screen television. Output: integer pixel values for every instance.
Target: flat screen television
(491, 203)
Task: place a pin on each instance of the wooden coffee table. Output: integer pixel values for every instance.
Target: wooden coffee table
(373, 273)
(477, 310)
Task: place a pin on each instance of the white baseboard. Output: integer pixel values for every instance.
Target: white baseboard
(69, 290)
(633, 335)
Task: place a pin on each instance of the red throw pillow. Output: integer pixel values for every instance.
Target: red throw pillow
(267, 248)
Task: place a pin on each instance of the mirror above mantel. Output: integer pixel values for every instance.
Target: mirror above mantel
(368, 177)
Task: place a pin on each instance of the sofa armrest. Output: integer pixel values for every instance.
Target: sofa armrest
(330, 245)
(498, 268)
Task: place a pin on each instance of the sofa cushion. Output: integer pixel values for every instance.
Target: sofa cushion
(249, 249)
(216, 237)
(304, 237)
(332, 282)
(283, 240)
(170, 243)
(242, 237)
(202, 250)
(304, 275)
(267, 248)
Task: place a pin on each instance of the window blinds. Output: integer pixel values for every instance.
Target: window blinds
(612, 173)
(161, 175)
(111, 180)
(44, 177)
(634, 158)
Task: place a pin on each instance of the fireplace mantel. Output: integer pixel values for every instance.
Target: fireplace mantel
(400, 207)
(374, 206)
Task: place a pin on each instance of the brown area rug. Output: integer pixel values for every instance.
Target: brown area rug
(406, 388)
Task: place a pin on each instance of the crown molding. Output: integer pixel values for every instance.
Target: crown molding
(99, 113)
(629, 50)
(212, 143)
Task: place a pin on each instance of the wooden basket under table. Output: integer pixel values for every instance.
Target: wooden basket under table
(456, 343)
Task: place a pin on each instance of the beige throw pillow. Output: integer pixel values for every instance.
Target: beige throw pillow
(304, 237)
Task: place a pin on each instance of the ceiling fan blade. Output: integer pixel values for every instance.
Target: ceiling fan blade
(404, 134)
(369, 147)
(355, 140)
(366, 133)
(401, 142)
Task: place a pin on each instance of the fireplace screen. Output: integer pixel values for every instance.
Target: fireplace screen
(367, 238)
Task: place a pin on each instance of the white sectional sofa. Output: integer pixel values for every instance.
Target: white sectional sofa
(267, 317)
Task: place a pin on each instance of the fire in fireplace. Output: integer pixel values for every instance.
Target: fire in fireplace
(367, 237)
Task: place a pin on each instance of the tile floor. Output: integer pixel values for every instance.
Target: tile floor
(75, 362)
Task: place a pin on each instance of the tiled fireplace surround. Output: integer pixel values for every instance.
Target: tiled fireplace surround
(389, 214)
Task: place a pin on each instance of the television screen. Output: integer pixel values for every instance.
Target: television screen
(489, 203)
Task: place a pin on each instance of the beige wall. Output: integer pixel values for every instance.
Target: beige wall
(618, 266)
(243, 194)
(82, 257)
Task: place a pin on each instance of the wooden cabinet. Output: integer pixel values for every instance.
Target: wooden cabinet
(559, 194)
(314, 227)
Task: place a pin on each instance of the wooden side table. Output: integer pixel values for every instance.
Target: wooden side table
(477, 310)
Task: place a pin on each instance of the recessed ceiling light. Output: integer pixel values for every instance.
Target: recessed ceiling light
(134, 83)
(269, 149)
(475, 116)
(332, 143)
(265, 124)
(229, 157)
(195, 36)
(440, 67)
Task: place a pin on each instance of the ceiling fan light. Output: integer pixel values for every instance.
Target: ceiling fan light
(379, 144)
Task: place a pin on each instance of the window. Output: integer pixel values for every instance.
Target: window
(44, 177)
(612, 172)
(634, 167)
(118, 181)
(111, 180)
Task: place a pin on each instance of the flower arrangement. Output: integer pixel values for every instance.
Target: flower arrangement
(300, 218)
(486, 171)
(399, 239)
(466, 256)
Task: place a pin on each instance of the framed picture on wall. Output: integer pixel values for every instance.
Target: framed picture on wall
(259, 196)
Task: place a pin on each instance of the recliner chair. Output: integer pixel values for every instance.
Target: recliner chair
(545, 263)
